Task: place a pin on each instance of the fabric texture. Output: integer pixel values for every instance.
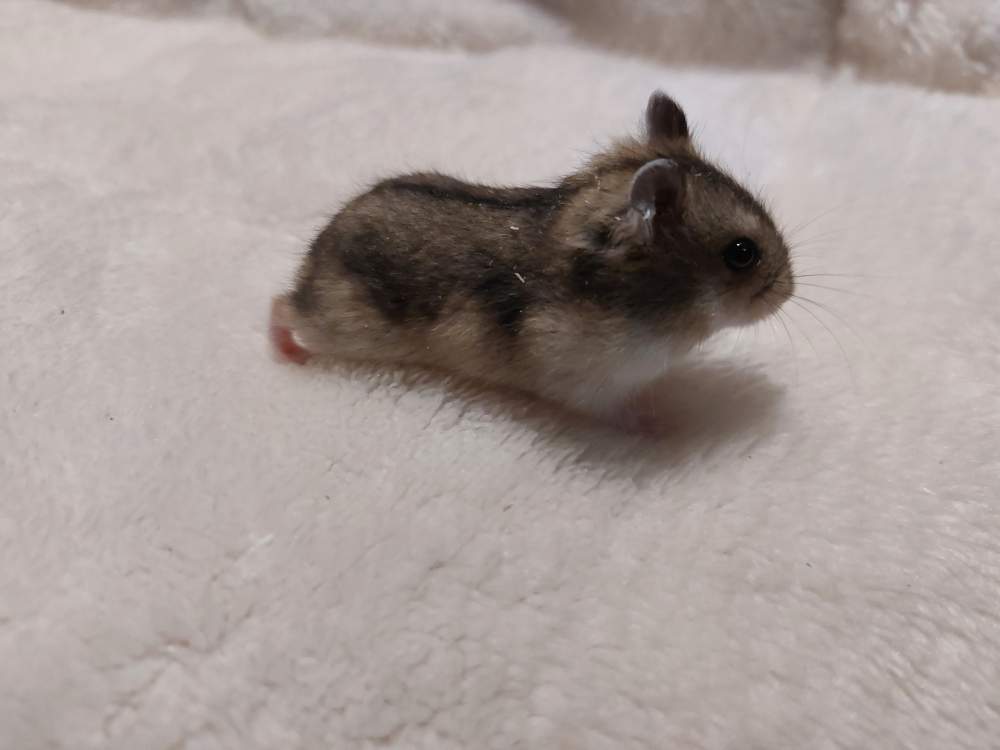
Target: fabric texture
(758, 33)
(203, 548)
(470, 24)
(946, 44)
(937, 43)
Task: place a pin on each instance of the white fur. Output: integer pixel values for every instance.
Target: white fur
(610, 381)
(201, 548)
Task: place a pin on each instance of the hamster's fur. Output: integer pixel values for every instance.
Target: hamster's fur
(582, 292)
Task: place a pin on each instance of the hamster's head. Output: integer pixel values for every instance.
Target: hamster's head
(673, 238)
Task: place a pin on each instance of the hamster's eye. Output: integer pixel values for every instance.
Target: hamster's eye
(741, 254)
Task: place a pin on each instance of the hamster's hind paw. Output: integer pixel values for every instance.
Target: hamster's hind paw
(282, 338)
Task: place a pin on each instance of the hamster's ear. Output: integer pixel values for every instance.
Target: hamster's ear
(665, 118)
(657, 192)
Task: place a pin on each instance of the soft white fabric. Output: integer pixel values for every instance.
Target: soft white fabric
(752, 33)
(951, 44)
(947, 44)
(203, 548)
(469, 24)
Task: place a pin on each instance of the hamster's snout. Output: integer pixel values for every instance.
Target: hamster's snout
(776, 289)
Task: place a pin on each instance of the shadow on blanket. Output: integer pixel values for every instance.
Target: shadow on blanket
(704, 407)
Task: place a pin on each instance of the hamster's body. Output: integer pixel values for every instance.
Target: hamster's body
(582, 292)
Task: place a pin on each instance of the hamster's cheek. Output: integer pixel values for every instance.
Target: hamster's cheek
(762, 307)
(739, 308)
(728, 308)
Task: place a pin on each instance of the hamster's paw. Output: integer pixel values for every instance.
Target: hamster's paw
(282, 338)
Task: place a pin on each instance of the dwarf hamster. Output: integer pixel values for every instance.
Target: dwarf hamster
(582, 292)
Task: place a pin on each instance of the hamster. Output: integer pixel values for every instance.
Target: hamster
(583, 292)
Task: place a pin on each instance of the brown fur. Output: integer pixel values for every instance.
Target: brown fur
(548, 289)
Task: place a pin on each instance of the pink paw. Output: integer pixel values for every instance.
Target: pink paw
(282, 338)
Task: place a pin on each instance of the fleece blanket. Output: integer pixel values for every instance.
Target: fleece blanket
(203, 548)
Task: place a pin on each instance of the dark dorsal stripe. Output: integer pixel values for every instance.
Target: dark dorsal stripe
(505, 298)
(392, 287)
(448, 188)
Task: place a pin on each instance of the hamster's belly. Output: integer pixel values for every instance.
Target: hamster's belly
(597, 365)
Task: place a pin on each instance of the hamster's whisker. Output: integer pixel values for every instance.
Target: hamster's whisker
(831, 236)
(802, 226)
(796, 283)
(829, 311)
(781, 319)
(839, 276)
(776, 336)
(797, 256)
(769, 298)
(832, 289)
(836, 340)
(801, 329)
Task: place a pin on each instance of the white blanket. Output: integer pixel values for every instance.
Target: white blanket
(203, 548)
